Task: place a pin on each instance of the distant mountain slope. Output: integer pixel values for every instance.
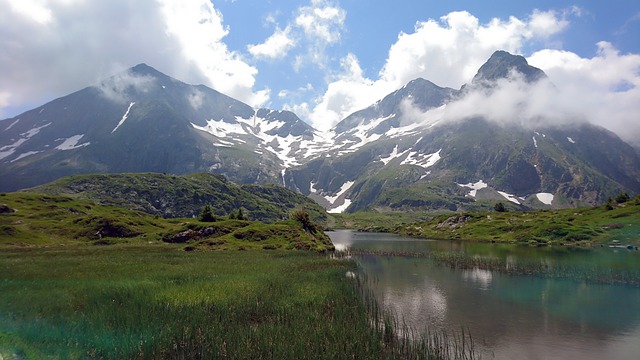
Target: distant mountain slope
(142, 120)
(422, 147)
(183, 196)
(405, 152)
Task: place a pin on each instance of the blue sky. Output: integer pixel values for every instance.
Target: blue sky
(322, 59)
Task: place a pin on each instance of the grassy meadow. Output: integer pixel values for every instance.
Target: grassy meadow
(122, 302)
(85, 281)
(582, 227)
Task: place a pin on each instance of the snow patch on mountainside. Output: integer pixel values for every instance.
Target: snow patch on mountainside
(337, 203)
(535, 142)
(422, 160)
(509, 197)
(394, 155)
(10, 126)
(346, 186)
(475, 187)
(9, 149)
(220, 128)
(340, 209)
(545, 198)
(571, 140)
(291, 150)
(72, 143)
(124, 117)
(22, 156)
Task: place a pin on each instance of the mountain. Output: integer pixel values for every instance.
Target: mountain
(422, 147)
(173, 196)
(407, 152)
(144, 121)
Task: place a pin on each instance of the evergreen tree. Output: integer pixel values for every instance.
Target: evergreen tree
(206, 215)
(499, 207)
(609, 203)
(241, 215)
(622, 198)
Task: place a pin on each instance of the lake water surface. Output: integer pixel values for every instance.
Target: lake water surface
(508, 316)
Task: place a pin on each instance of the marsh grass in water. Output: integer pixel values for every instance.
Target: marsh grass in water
(606, 273)
(159, 302)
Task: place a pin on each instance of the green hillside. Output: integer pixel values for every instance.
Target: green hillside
(619, 224)
(173, 196)
(29, 219)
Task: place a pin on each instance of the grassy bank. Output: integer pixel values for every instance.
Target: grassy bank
(374, 221)
(29, 219)
(159, 302)
(574, 227)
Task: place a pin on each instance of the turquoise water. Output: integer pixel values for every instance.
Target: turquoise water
(508, 316)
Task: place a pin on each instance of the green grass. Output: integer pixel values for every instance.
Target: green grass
(173, 196)
(43, 220)
(158, 302)
(373, 221)
(246, 292)
(575, 227)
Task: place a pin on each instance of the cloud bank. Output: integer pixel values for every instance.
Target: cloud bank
(604, 89)
(608, 98)
(447, 51)
(53, 47)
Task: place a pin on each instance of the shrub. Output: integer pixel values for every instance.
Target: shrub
(622, 198)
(301, 215)
(206, 215)
(499, 207)
(609, 204)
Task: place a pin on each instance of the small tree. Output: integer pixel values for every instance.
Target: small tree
(622, 198)
(241, 215)
(499, 207)
(609, 203)
(206, 215)
(301, 215)
(232, 215)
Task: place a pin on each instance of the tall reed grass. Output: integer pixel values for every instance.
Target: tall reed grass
(156, 302)
(461, 260)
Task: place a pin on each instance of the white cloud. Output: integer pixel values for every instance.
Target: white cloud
(546, 23)
(34, 10)
(197, 26)
(514, 101)
(350, 91)
(116, 87)
(274, 47)
(447, 52)
(605, 89)
(196, 99)
(322, 24)
(322, 20)
(54, 47)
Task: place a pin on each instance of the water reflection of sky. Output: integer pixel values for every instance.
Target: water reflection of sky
(513, 317)
(482, 278)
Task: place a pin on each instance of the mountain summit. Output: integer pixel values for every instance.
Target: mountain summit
(502, 64)
(422, 147)
(141, 120)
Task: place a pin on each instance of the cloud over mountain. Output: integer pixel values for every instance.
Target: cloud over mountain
(57, 46)
(446, 51)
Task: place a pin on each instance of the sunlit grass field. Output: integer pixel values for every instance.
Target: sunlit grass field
(159, 302)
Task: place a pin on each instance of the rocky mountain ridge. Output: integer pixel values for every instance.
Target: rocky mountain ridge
(411, 150)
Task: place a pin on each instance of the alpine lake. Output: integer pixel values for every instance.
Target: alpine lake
(514, 301)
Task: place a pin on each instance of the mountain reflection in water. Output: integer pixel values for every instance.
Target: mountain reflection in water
(509, 317)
